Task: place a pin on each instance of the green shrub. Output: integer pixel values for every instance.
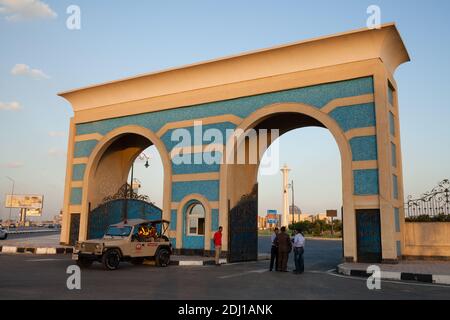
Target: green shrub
(427, 218)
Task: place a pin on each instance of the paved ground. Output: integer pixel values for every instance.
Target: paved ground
(44, 277)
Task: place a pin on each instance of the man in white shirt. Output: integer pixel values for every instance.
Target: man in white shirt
(299, 244)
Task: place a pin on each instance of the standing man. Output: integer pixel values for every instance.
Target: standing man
(284, 244)
(218, 245)
(274, 250)
(299, 244)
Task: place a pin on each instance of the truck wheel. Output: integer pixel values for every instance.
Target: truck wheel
(162, 257)
(111, 259)
(137, 261)
(84, 263)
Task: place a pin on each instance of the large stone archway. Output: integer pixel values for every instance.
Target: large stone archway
(238, 179)
(343, 82)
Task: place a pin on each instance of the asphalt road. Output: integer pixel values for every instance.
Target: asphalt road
(44, 277)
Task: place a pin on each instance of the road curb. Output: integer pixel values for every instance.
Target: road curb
(35, 250)
(186, 263)
(211, 262)
(397, 275)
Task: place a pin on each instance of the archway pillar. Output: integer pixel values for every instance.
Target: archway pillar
(390, 173)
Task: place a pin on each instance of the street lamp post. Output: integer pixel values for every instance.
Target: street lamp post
(284, 218)
(141, 156)
(293, 203)
(12, 194)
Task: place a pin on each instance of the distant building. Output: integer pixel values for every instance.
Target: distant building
(315, 217)
(262, 223)
(297, 214)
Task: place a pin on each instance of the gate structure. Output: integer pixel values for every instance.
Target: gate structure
(343, 82)
(433, 204)
(125, 204)
(243, 229)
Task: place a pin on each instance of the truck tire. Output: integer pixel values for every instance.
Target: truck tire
(111, 259)
(137, 261)
(84, 263)
(162, 257)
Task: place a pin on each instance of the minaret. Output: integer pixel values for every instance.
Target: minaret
(284, 217)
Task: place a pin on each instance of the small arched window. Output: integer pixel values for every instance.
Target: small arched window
(196, 219)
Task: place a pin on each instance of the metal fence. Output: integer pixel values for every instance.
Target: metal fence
(432, 204)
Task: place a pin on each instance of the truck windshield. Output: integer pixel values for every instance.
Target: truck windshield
(118, 231)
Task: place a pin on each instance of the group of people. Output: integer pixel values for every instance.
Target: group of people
(282, 245)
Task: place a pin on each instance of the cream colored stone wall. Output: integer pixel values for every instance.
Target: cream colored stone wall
(427, 239)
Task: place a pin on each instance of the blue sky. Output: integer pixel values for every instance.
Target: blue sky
(124, 38)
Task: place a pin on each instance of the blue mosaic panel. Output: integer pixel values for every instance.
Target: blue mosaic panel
(317, 96)
(173, 220)
(366, 182)
(395, 186)
(75, 195)
(84, 148)
(193, 242)
(207, 188)
(356, 116)
(184, 168)
(397, 219)
(196, 135)
(393, 155)
(214, 220)
(364, 148)
(78, 172)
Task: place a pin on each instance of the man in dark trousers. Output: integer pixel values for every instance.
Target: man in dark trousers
(299, 245)
(274, 250)
(283, 241)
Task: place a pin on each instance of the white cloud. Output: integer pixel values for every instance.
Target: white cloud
(14, 165)
(21, 69)
(56, 133)
(55, 152)
(20, 10)
(10, 106)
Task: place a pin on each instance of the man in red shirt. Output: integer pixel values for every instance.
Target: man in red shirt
(218, 244)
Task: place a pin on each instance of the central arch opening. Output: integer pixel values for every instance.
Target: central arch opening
(297, 132)
(314, 187)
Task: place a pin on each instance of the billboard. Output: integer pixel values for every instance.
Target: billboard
(34, 212)
(273, 218)
(332, 213)
(24, 201)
